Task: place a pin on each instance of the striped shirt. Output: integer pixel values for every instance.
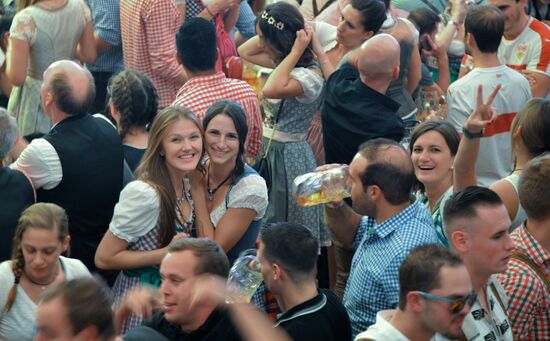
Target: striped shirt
(200, 92)
(148, 29)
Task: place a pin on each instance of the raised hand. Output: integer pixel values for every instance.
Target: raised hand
(484, 113)
(303, 38)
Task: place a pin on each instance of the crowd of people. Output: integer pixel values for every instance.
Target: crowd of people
(136, 166)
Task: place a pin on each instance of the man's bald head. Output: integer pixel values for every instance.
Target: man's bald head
(71, 86)
(379, 58)
(389, 167)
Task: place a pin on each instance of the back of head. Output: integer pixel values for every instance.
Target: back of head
(463, 205)
(373, 12)
(424, 19)
(533, 122)
(293, 247)
(379, 58)
(71, 85)
(534, 188)
(486, 24)
(389, 167)
(211, 257)
(133, 94)
(87, 303)
(420, 270)
(279, 23)
(196, 44)
(8, 133)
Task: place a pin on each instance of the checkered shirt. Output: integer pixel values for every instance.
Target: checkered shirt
(528, 297)
(148, 29)
(373, 283)
(106, 20)
(200, 92)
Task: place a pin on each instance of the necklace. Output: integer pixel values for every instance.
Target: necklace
(42, 286)
(180, 199)
(211, 191)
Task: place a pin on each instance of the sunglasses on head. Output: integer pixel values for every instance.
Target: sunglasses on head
(455, 305)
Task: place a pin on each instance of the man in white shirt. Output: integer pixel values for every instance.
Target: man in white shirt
(477, 223)
(78, 164)
(484, 27)
(525, 45)
(435, 295)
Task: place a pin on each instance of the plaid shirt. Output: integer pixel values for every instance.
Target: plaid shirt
(106, 19)
(373, 283)
(148, 29)
(529, 299)
(200, 92)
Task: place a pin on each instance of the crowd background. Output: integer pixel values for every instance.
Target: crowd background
(149, 142)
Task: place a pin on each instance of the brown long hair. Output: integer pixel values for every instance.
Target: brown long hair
(44, 216)
(153, 167)
(22, 4)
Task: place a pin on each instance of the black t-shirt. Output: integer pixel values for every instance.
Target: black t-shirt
(353, 113)
(322, 318)
(218, 326)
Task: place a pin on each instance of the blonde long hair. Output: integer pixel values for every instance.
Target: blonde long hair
(153, 168)
(45, 216)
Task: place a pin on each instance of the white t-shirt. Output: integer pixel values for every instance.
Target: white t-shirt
(495, 152)
(530, 50)
(382, 330)
(18, 323)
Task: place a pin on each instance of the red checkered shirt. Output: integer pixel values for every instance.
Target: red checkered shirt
(200, 92)
(148, 29)
(529, 299)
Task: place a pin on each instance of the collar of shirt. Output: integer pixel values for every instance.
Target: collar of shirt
(368, 92)
(393, 223)
(201, 80)
(307, 307)
(526, 242)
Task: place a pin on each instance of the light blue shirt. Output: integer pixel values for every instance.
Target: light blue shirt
(106, 20)
(373, 283)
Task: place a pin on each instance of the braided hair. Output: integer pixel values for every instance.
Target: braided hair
(45, 216)
(135, 97)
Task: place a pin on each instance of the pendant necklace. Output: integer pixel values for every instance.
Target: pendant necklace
(42, 286)
(212, 191)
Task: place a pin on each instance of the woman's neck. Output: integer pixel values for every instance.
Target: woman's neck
(522, 156)
(218, 172)
(136, 137)
(435, 192)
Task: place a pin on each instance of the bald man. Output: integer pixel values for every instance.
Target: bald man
(383, 227)
(356, 108)
(78, 164)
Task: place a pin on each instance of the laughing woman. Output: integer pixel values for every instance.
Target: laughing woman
(155, 209)
(433, 147)
(232, 198)
(292, 95)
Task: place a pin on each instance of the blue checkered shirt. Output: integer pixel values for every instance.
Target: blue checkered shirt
(373, 283)
(106, 19)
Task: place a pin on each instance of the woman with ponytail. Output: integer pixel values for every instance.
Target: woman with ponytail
(133, 104)
(41, 237)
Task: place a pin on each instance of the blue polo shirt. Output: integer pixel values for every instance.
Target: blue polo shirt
(373, 283)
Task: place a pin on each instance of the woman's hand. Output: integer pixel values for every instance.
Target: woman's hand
(303, 38)
(484, 112)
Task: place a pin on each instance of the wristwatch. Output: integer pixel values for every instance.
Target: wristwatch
(471, 134)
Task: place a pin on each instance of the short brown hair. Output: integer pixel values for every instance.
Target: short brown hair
(211, 257)
(534, 188)
(87, 304)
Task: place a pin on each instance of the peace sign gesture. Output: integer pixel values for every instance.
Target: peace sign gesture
(483, 113)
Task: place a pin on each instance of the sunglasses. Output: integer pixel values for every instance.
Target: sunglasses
(455, 305)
